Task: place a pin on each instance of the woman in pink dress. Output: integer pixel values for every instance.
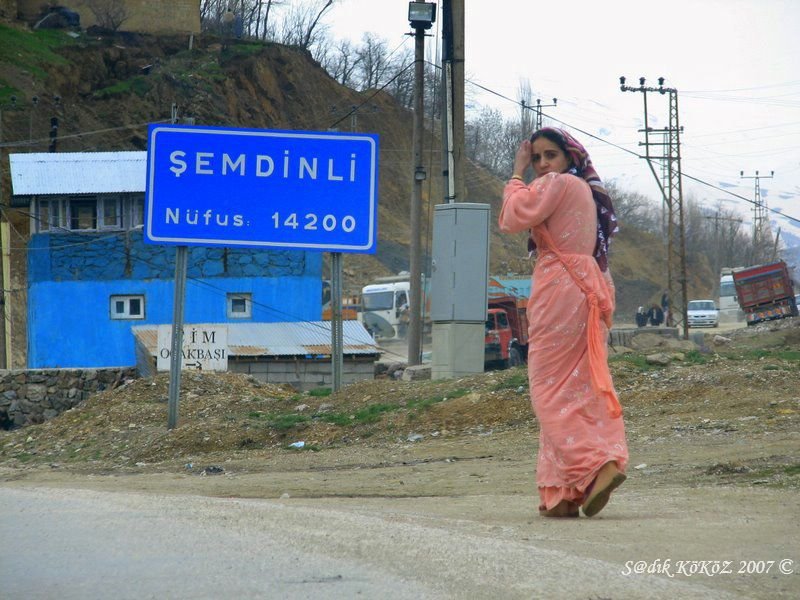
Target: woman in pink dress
(582, 449)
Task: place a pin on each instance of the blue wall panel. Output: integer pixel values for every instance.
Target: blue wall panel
(69, 323)
(71, 278)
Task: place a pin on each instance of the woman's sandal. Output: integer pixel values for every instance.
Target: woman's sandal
(608, 479)
(565, 508)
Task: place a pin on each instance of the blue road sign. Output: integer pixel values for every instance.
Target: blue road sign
(216, 186)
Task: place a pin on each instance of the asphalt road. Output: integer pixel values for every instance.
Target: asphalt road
(70, 544)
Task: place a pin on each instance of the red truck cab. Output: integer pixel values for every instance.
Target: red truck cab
(506, 340)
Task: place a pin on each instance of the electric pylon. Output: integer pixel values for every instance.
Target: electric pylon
(672, 193)
(762, 233)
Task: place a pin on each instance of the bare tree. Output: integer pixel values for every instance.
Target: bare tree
(302, 25)
(211, 12)
(634, 209)
(109, 14)
(373, 63)
(491, 141)
(262, 25)
(340, 62)
(524, 96)
(400, 74)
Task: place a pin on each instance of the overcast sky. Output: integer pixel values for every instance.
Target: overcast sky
(733, 62)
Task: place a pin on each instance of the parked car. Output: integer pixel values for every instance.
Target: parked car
(702, 313)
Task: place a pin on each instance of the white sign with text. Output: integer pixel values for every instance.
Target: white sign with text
(205, 348)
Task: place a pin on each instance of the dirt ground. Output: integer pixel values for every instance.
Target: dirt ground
(712, 434)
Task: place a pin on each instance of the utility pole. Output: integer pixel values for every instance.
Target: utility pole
(539, 107)
(537, 111)
(671, 191)
(761, 228)
(421, 16)
(775, 247)
(3, 314)
(453, 96)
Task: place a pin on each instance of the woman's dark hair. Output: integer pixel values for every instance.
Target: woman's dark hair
(553, 136)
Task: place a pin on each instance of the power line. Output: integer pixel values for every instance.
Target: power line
(631, 152)
(193, 280)
(24, 143)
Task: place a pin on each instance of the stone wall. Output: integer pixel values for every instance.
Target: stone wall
(84, 256)
(34, 396)
(8, 9)
(144, 16)
(158, 16)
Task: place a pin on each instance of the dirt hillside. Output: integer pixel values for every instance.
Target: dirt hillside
(109, 87)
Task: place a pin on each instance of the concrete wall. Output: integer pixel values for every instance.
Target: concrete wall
(34, 396)
(303, 374)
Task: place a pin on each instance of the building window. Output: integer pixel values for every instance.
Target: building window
(82, 214)
(111, 215)
(127, 307)
(240, 306)
(136, 212)
(49, 216)
(88, 213)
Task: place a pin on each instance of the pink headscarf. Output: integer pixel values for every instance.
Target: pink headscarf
(582, 167)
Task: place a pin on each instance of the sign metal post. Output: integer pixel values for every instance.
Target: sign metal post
(219, 186)
(337, 334)
(181, 253)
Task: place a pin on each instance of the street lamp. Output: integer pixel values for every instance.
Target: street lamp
(421, 14)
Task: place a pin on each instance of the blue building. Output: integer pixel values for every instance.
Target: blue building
(91, 278)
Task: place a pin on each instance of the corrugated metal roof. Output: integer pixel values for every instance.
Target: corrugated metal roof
(42, 173)
(279, 339)
(519, 287)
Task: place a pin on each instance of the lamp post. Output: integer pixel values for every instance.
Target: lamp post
(421, 16)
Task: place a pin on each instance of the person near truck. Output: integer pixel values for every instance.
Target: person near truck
(665, 308)
(641, 317)
(655, 315)
(582, 447)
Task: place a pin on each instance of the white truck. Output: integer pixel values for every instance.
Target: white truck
(384, 306)
(729, 309)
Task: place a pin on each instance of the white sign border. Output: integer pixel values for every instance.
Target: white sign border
(370, 244)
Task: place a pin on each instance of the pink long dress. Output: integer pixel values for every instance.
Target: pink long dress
(569, 313)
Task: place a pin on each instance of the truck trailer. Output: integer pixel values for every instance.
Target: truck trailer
(765, 292)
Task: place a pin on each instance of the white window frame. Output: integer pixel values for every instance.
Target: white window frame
(247, 313)
(126, 311)
(129, 212)
(101, 212)
(135, 211)
(84, 200)
(50, 223)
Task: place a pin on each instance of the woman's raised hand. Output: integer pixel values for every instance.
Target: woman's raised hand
(522, 160)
